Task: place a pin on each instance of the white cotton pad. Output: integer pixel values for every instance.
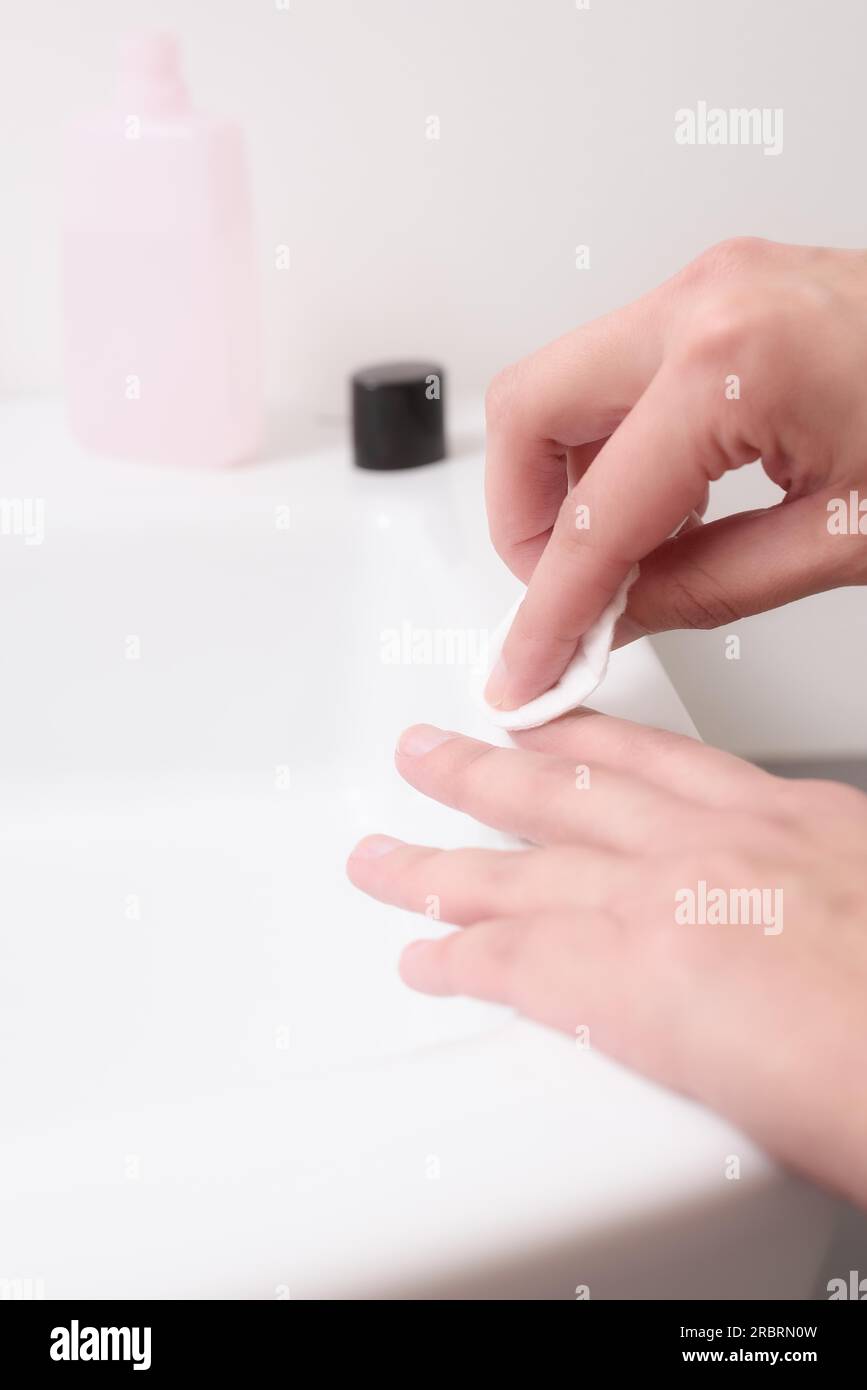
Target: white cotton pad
(584, 673)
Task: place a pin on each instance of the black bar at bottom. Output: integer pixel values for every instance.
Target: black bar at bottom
(163, 1338)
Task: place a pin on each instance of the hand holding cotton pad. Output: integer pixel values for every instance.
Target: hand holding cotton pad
(584, 673)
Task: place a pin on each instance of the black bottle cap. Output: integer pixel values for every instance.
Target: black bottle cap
(397, 415)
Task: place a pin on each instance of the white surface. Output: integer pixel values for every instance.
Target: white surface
(234, 1094)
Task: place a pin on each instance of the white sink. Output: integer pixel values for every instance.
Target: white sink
(213, 1082)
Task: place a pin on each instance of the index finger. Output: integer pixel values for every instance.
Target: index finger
(650, 474)
(572, 393)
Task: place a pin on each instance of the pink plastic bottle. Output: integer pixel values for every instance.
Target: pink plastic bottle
(159, 287)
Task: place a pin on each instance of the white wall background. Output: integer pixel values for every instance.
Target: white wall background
(556, 129)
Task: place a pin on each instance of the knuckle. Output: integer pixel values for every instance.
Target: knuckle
(565, 528)
(489, 962)
(761, 838)
(500, 395)
(644, 748)
(503, 877)
(719, 338)
(729, 326)
(731, 254)
(548, 784)
(835, 798)
(414, 875)
(610, 565)
(697, 600)
(467, 775)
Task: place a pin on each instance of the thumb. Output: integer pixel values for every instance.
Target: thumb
(743, 564)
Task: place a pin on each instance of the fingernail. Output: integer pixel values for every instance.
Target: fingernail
(420, 739)
(375, 846)
(495, 689)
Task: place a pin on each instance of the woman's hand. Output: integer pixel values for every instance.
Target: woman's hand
(604, 923)
(602, 443)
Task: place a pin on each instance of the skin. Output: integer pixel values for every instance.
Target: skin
(580, 930)
(629, 417)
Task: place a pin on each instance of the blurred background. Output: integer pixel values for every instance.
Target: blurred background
(433, 168)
